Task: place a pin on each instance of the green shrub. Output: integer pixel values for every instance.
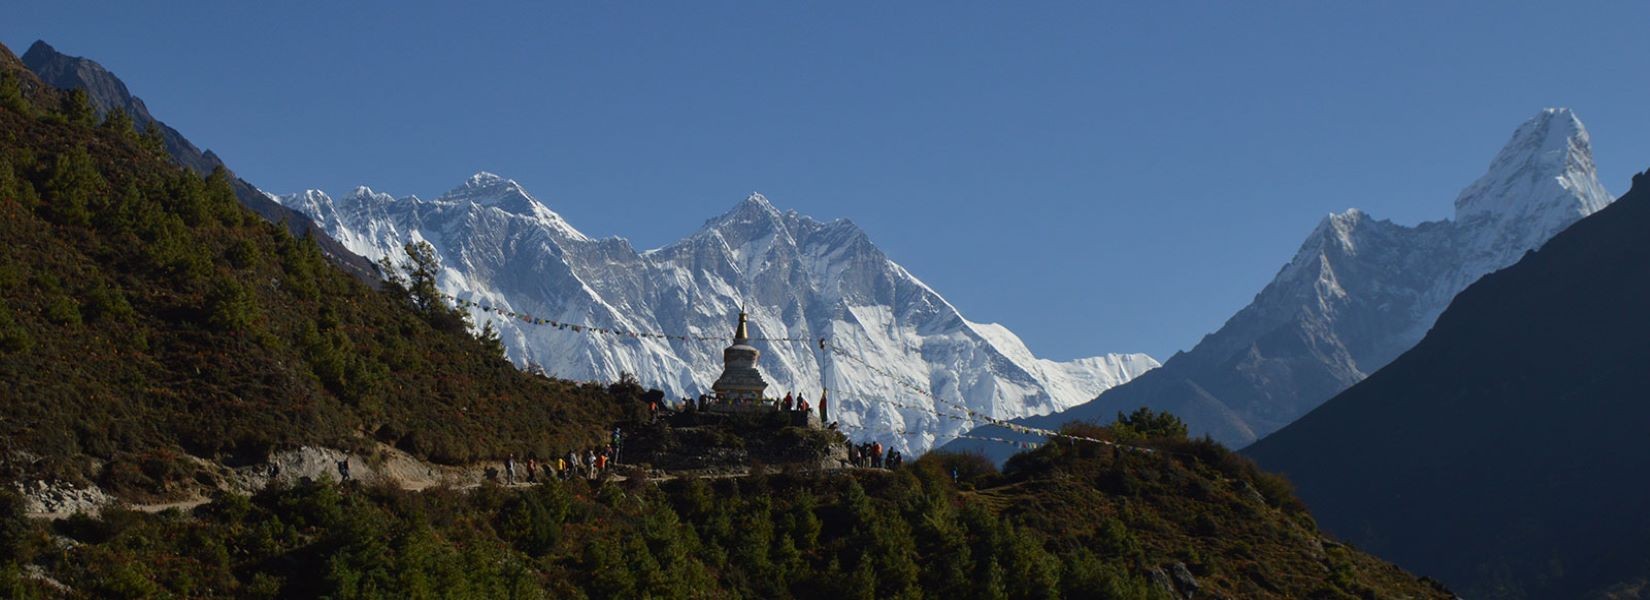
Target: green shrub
(230, 307)
(72, 185)
(11, 95)
(63, 310)
(13, 337)
(77, 108)
(1143, 423)
(107, 304)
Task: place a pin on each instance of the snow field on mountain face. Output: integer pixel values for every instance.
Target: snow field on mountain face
(797, 277)
(1360, 291)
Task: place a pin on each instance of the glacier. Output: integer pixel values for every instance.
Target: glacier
(797, 277)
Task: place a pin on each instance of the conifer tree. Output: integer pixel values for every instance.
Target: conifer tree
(120, 124)
(11, 95)
(77, 108)
(71, 187)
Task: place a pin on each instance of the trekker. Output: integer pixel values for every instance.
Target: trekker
(786, 403)
(561, 468)
(876, 454)
(590, 462)
(601, 462)
(532, 468)
(510, 470)
(343, 469)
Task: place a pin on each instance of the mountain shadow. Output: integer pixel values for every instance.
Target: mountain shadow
(1506, 454)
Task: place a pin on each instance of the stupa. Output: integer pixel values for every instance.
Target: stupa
(741, 383)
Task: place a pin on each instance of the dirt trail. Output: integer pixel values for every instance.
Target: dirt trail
(384, 465)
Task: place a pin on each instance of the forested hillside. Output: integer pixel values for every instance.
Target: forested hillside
(146, 316)
(1072, 519)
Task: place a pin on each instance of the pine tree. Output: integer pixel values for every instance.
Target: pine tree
(11, 95)
(72, 186)
(153, 140)
(77, 108)
(121, 124)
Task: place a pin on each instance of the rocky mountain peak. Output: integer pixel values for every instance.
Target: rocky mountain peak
(1545, 169)
(102, 87)
(490, 190)
(362, 191)
(754, 209)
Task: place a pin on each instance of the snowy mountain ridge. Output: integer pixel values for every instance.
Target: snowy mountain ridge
(1359, 292)
(796, 276)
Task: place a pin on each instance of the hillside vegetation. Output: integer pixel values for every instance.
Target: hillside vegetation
(1074, 520)
(147, 317)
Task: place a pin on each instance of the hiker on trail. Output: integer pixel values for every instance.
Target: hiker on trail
(822, 414)
(510, 470)
(785, 404)
(561, 469)
(343, 469)
(876, 454)
(701, 402)
(532, 468)
(601, 463)
(590, 462)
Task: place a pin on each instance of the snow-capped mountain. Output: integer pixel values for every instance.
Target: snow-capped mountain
(796, 276)
(1359, 292)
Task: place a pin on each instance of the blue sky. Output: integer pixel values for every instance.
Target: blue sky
(1096, 176)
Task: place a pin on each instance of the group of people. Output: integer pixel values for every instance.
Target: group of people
(691, 405)
(589, 463)
(870, 455)
(792, 402)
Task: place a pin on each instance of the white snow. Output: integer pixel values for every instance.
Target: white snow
(796, 276)
(1360, 291)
